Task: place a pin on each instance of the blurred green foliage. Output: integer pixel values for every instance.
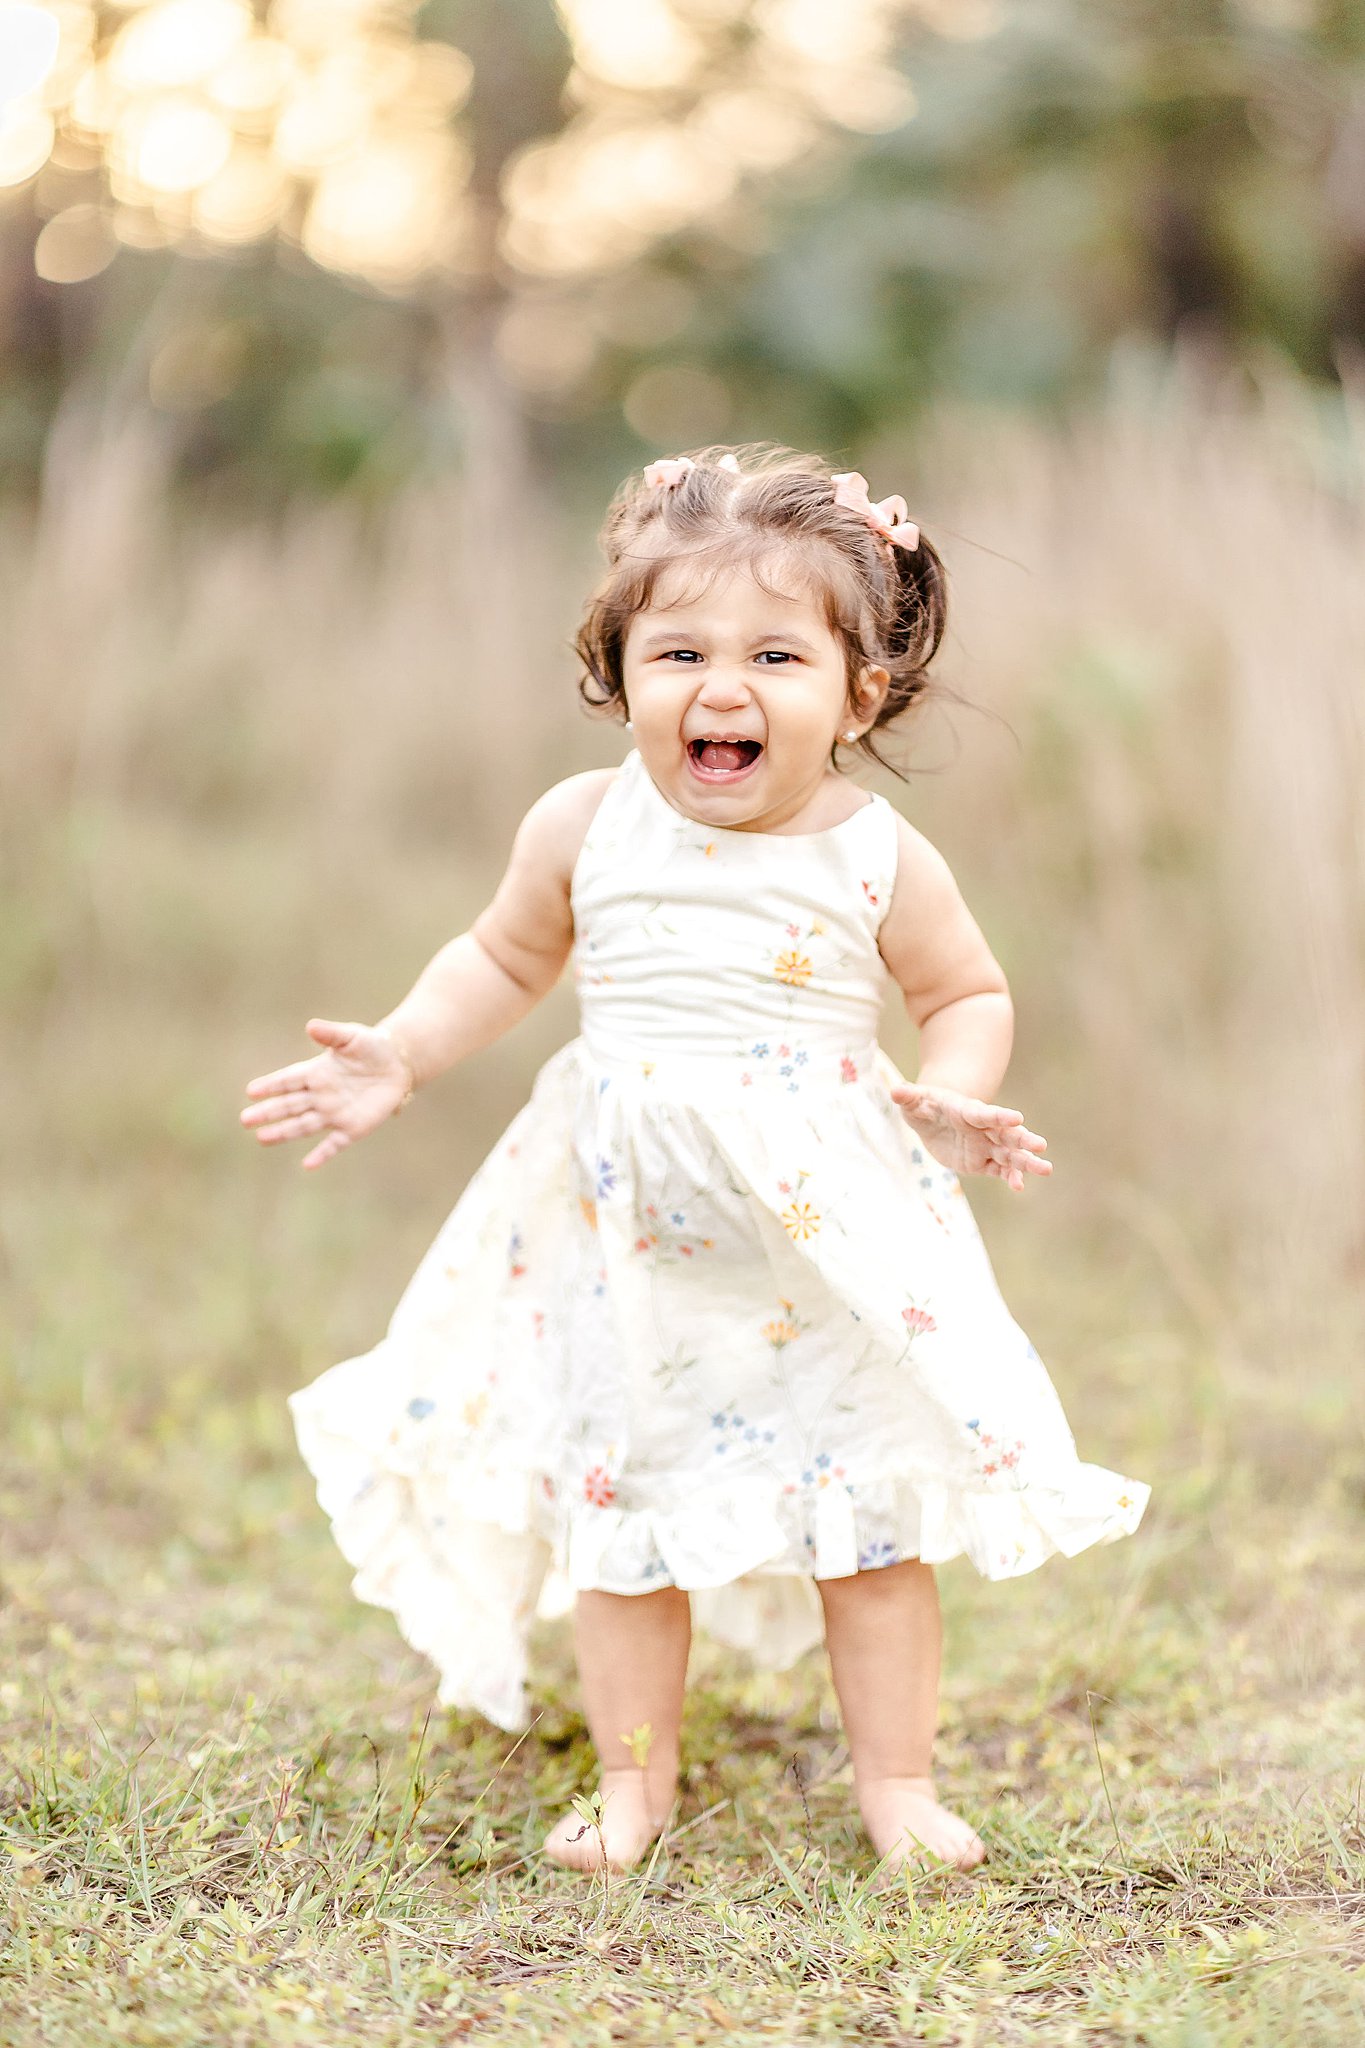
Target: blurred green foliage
(1076, 180)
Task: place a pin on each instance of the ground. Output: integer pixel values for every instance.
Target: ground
(229, 1813)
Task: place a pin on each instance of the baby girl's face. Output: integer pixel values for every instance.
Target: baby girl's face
(735, 695)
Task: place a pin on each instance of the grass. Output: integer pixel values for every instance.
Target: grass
(227, 1812)
(229, 1816)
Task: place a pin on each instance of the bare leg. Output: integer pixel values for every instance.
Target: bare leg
(885, 1638)
(632, 1664)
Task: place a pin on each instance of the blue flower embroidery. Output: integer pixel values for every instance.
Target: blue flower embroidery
(420, 1408)
(606, 1176)
(759, 1052)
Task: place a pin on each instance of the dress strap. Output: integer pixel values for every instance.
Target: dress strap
(620, 792)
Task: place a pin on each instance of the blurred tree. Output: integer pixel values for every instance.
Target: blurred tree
(653, 220)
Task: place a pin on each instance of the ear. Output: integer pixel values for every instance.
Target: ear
(868, 693)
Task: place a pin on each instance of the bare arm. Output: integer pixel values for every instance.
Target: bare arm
(467, 996)
(958, 999)
(481, 983)
(954, 988)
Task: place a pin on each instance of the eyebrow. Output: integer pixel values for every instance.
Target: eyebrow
(665, 636)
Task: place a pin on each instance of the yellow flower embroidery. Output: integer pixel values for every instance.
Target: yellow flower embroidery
(779, 1333)
(709, 848)
(589, 1208)
(793, 968)
(801, 1221)
(475, 1410)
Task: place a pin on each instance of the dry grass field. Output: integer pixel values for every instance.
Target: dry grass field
(251, 775)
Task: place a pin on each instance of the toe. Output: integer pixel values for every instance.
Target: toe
(574, 1843)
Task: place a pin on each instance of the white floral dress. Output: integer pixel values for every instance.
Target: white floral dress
(708, 1315)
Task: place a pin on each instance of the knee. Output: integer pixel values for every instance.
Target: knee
(882, 1586)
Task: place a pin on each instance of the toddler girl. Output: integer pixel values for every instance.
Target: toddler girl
(712, 1329)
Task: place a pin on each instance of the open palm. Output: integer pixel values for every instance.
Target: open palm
(969, 1136)
(345, 1091)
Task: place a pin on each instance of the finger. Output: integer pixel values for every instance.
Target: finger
(1023, 1162)
(292, 1127)
(281, 1081)
(989, 1116)
(278, 1106)
(1030, 1140)
(334, 1142)
(326, 1032)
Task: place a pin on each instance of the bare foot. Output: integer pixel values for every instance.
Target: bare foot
(903, 1817)
(633, 1816)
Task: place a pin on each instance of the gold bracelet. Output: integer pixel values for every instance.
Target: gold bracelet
(406, 1057)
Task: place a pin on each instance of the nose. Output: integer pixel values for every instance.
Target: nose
(722, 688)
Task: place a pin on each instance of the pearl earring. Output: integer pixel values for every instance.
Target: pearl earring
(848, 738)
(628, 725)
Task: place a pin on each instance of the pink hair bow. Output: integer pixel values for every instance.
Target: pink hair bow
(672, 469)
(890, 518)
(664, 475)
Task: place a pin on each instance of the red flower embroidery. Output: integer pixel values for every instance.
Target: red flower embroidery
(517, 1271)
(870, 892)
(598, 1490)
(793, 931)
(920, 1319)
(848, 1069)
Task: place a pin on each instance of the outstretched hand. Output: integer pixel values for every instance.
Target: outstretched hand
(970, 1136)
(346, 1091)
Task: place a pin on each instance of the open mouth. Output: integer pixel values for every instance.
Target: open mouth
(722, 759)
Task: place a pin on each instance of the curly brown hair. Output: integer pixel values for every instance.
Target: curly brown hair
(741, 507)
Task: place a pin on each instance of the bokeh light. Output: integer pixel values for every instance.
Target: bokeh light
(29, 39)
(76, 243)
(26, 137)
(336, 123)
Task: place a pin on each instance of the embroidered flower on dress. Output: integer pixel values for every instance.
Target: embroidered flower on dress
(794, 968)
(847, 1069)
(918, 1319)
(598, 1490)
(801, 1221)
